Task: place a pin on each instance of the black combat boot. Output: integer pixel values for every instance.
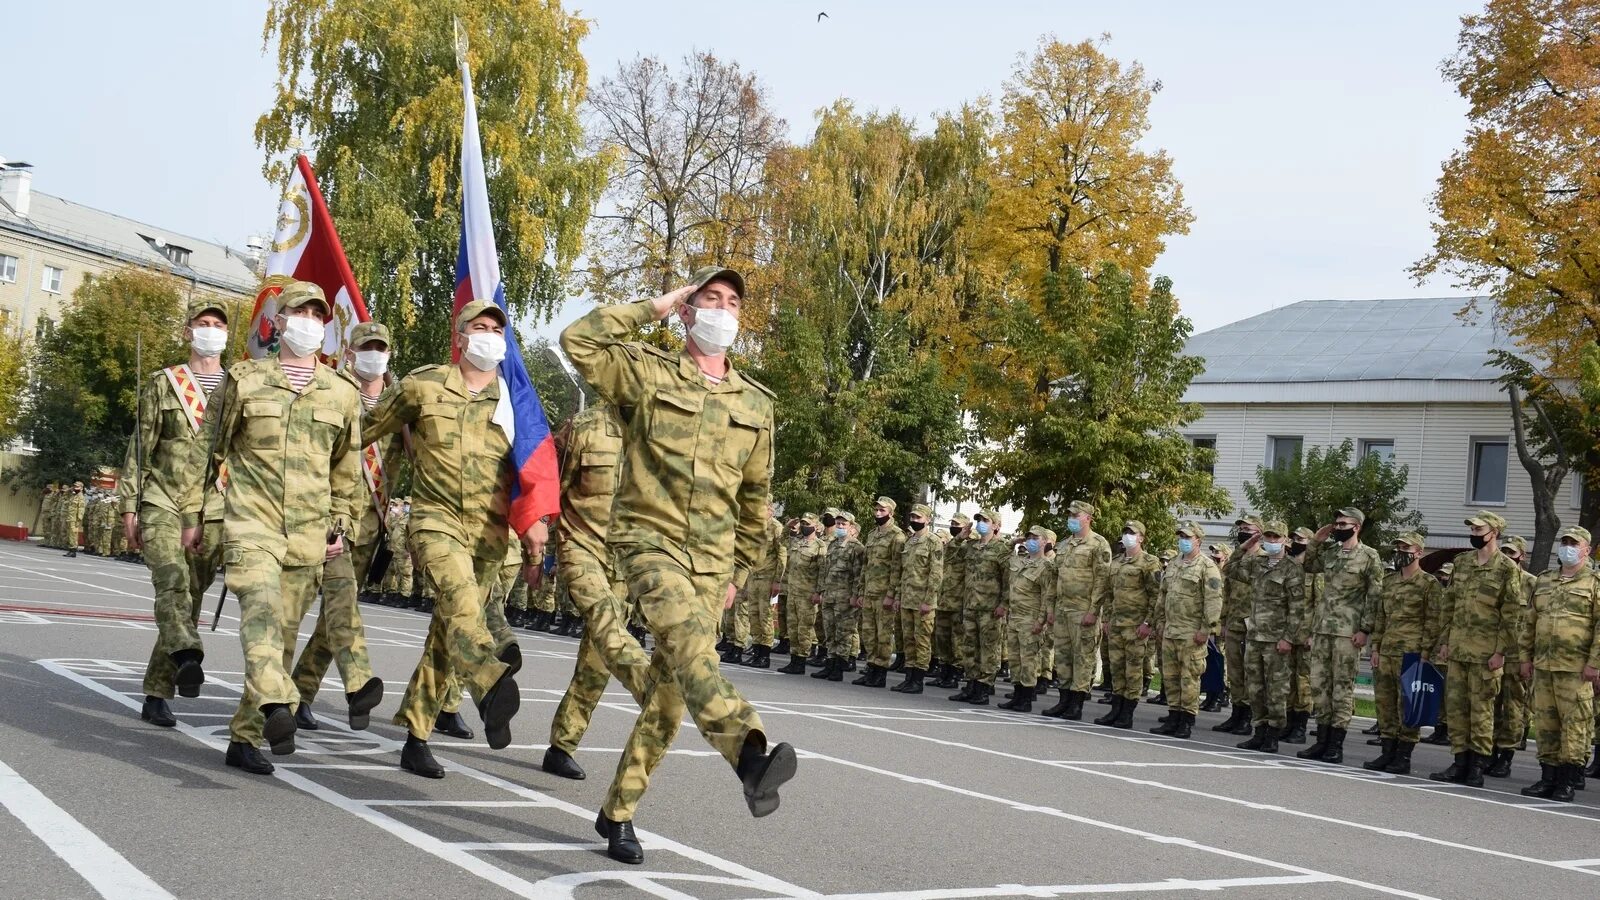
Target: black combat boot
(1594, 768)
(1125, 717)
(913, 683)
(622, 844)
(733, 655)
(1440, 735)
(1381, 764)
(1371, 730)
(278, 728)
(818, 657)
(452, 724)
(1269, 743)
(1060, 709)
(981, 697)
(1566, 782)
(948, 677)
(1212, 702)
(1246, 716)
(880, 678)
(823, 673)
(416, 758)
(1110, 717)
(897, 663)
(1255, 741)
(1545, 786)
(1226, 725)
(1005, 673)
(244, 756)
(1500, 764)
(1401, 764)
(1169, 724)
(763, 658)
(304, 718)
(1185, 729)
(1315, 751)
(1074, 711)
(189, 675)
(1473, 775)
(865, 678)
(723, 645)
(1022, 702)
(796, 666)
(965, 693)
(560, 763)
(156, 711)
(1296, 732)
(1335, 750)
(836, 668)
(782, 646)
(1453, 772)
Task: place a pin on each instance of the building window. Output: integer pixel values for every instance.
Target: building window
(1381, 448)
(8, 268)
(1204, 442)
(52, 279)
(178, 255)
(1282, 451)
(1488, 484)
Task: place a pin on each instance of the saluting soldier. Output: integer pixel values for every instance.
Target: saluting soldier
(1561, 655)
(1300, 700)
(1238, 592)
(1191, 616)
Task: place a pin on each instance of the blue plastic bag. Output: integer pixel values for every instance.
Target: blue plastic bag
(1421, 690)
(1212, 682)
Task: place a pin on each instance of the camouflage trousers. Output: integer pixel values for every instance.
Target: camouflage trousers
(1075, 651)
(877, 631)
(1511, 709)
(896, 624)
(1182, 664)
(1563, 717)
(1469, 705)
(736, 623)
(1300, 679)
(680, 608)
(1047, 653)
(605, 649)
(460, 641)
(963, 646)
(1128, 653)
(180, 581)
(756, 598)
(780, 616)
(1267, 671)
(916, 628)
(839, 624)
(802, 625)
(1333, 678)
(1024, 645)
(273, 599)
(988, 641)
(945, 620)
(339, 636)
(73, 532)
(1386, 671)
(1233, 672)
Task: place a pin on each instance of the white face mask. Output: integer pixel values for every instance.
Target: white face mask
(371, 364)
(302, 335)
(485, 350)
(209, 342)
(714, 330)
(1130, 541)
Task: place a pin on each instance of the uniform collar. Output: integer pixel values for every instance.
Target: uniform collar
(689, 370)
(455, 383)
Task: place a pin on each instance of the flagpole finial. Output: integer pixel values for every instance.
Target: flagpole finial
(461, 41)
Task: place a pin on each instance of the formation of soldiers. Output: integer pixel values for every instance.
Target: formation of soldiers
(61, 517)
(1292, 611)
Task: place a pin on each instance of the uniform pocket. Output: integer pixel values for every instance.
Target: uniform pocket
(597, 473)
(744, 428)
(263, 424)
(438, 423)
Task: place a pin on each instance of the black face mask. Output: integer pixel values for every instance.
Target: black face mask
(1243, 536)
(827, 521)
(1401, 560)
(1343, 534)
(1478, 541)
(917, 526)
(807, 530)
(881, 520)
(955, 530)
(1296, 549)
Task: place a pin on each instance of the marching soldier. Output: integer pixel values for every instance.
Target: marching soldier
(884, 543)
(1352, 588)
(1407, 622)
(1511, 707)
(1127, 613)
(1080, 565)
(1191, 616)
(803, 586)
(1560, 652)
(921, 573)
(1278, 620)
(988, 582)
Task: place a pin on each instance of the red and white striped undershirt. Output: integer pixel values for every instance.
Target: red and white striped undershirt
(299, 376)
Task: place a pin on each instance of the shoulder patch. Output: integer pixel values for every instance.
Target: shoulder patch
(431, 367)
(759, 386)
(652, 349)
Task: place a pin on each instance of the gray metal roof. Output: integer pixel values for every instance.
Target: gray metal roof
(1354, 340)
(119, 237)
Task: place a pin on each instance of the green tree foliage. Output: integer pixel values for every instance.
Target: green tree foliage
(13, 381)
(373, 86)
(1107, 423)
(557, 390)
(1312, 489)
(81, 402)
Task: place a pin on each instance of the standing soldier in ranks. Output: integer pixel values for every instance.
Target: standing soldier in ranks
(72, 518)
(288, 431)
(1081, 564)
(339, 635)
(759, 591)
(1032, 592)
(1512, 706)
(840, 570)
(780, 616)
(1407, 622)
(921, 573)
(157, 503)
(804, 580)
(461, 481)
(1278, 620)
(47, 516)
(1300, 656)
(1560, 652)
(1481, 619)
(988, 582)
(397, 581)
(1238, 592)
(591, 468)
(950, 640)
(1352, 590)
(1129, 605)
(687, 527)
(882, 577)
(1191, 614)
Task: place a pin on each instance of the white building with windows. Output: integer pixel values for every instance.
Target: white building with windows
(1408, 379)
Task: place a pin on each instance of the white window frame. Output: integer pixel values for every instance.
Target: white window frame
(1472, 467)
(61, 279)
(11, 278)
(1215, 450)
(1366, 445)
(1272, 447)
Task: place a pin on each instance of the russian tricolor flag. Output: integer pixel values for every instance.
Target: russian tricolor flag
(537, 491)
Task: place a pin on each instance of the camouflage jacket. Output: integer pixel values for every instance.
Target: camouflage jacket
(1530, 584)
(461, 475)
(294, 469)
(882, 577)
(1191, 598)
(1564, 634)
(1033, 588)
(73, 510)
(1352, 588)
(953, 585)
(1408, 618)
(1238, 586)
(591, 465)
(988, 573)
(696, 457)
(841, 564)
(774, 554)
(1278, 611)
(167, 439)
(1483, 607)
(1132, 591)
(391, 451)
(1081, 564)
(921, 570)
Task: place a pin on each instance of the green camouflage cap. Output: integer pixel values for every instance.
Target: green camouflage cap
(479, 308)
(885, 501)
(1413, 538)
(812, 518)
(369, 331)
(1447, 568)
(1277, 527)
(831, 511)
(922, 509)
(961, 519)
(1254, 521)
(847, 516)
(1350, 512)
(1040, 531)
(1483, 518)
(204, 305)
(707, 274)
(1220, 549)
(1304, 532)
(1516, 542)
(298, 293)
(1191, 528)
(1576, 532)
(987, 515)
(1081, 508)
(1135, 526)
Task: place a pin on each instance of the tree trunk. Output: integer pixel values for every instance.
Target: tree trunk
(1546, 480)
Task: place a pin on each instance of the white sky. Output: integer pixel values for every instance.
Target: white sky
(1307, 137)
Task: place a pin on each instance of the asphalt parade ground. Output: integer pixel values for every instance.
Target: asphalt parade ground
(897, 798)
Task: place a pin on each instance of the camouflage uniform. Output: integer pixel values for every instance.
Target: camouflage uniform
(1191, 603)
(591, 467)
(689, 518)
(756, 598)
(1352, 590)
(882, 584)
(166, 501)
(1561, 640)
(1512, 706)
(1238, 593)
(1031, 594)
(921, 574)
(1300, 658)
(1407, 622)
(1278, 613)
(951, 644)
(1129, 598)
(1481, 617)
(837, 572)
(804, 565)
(1080, 569)
(398, 579)
(988, 584)
(47, 516)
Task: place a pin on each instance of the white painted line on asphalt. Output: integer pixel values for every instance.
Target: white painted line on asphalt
(99, 588)
(106, 870)
(1063, 890)
(515, 847)
(485, 804)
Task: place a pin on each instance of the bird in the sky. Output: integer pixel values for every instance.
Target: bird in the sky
(821, 16)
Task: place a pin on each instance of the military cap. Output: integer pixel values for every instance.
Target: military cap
(1191, 528)
(1276, 527)
(1167, 556)
(884, 501)
(1081, 508)
(1516, 542)
(987, 515)
(370, 331)
(1304, 532)
(961, 519)
(77, 484)
(1413, 538)
(1350, 512)
(922, 509)
(205, 305)
(1135, 526)
(1576, 532)
(707, 274)
(1220, 549)
(1447, 568)
(831, 511)
(1042, 532)
(479, 308)
(812, 518)
(1248, 520)
(298, 293)
(847, 516)
(1486, 519)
